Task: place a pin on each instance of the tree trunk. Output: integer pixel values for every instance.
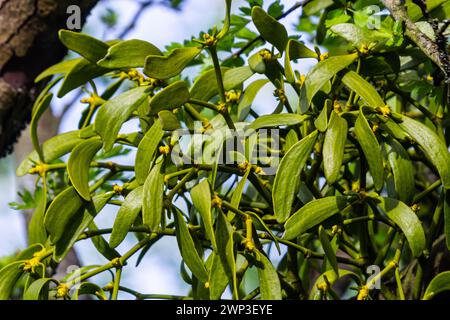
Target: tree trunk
(28, 45)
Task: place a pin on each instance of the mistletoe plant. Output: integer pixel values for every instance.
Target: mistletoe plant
(339, 191)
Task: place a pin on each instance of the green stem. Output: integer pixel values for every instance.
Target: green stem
(117, 278)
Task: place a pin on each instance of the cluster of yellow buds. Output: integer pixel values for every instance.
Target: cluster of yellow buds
(216, 201)
(232, 96)
(222, 107)
(385, 111)
(136, 76)
(280, 95)
(337, 106)
(94, 100)
(323, 286)
(31, 264)
(355, 186)
(243, 166)
(164, 150)
(336, 229)
(249, 245)
(364, 50)
(38, 169)
(415, 207)
(363, 293)
(62, 291)
(324, 56)
(265, 54)
(209, 40)
(375, 127)
(430, 77)
(258, 170)
(117, 189)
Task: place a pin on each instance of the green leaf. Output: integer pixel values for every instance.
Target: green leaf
(270, 29)
(407, 220)
(287, 178)
(371, 149)
(82, 72)
(65, 205)
(249, 95)
(236, 77)
(226, 25)
(295, 50)
(169, 120)
(62, 67)
(237, 193)
(36, 228)
(165, 67)
(315, 6)
(331, 277)
(52, 149)
(128, 54)
(126, 216)
(269, 283)
(201, 198)
(79, 164)
(35, 289)
(188, 250)
(402, 170)
(102, 245)
(205, 86)
(328, 249)
(78, 223)
(88, 288)
(218, 279)
(352, 34)
(434, 148)
(153, 196)
(256, 63)
(115, 112)
(321, 122)
(362, 88)
(447, 218)
(440, 283)
(333, 147)
(323, 72)
(171, 97)
(9, 275)
(225, 246)
(312, 214)
(88, 47)
(146, 151)
(38, 110)
(277, 120)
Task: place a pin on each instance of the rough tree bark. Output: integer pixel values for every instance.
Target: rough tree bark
(28, 45)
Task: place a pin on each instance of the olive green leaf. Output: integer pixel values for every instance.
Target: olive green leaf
(79, 164)
(235, 77)
(102, 245)
(115, 112)
(36, 228)
(188, 250)
(169, 120)
(295, 50)
(257, 63)
(201, 198)
(225, 246)
(333, 147)
(323, 71)
(88, 47)
(165, 67)
(434, 148)
(287, 178)
(321, 122)
(82, 72)
(362, 88)
(218, 279)
(402, 170)
(270, 29)
(237, 193)
(312, 214)
(128, 54)
(65, 205)
(9, 275)
(407, 221)
(38, 111)
(227, 22)
(205, 86)
(88, 288)
(126, 216)
(328, 249)
(153, 196)
(249, 95)
(60, 68)
(438, 284)
(78, 223)
(146, 151)
(29, 252)
(277, 120)
(35, 290)
(447, 218)
(269, 283)
(371, 149)
(331, 277)
(315, 6)
(52, 149)
(352, 34)
(173, 96)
